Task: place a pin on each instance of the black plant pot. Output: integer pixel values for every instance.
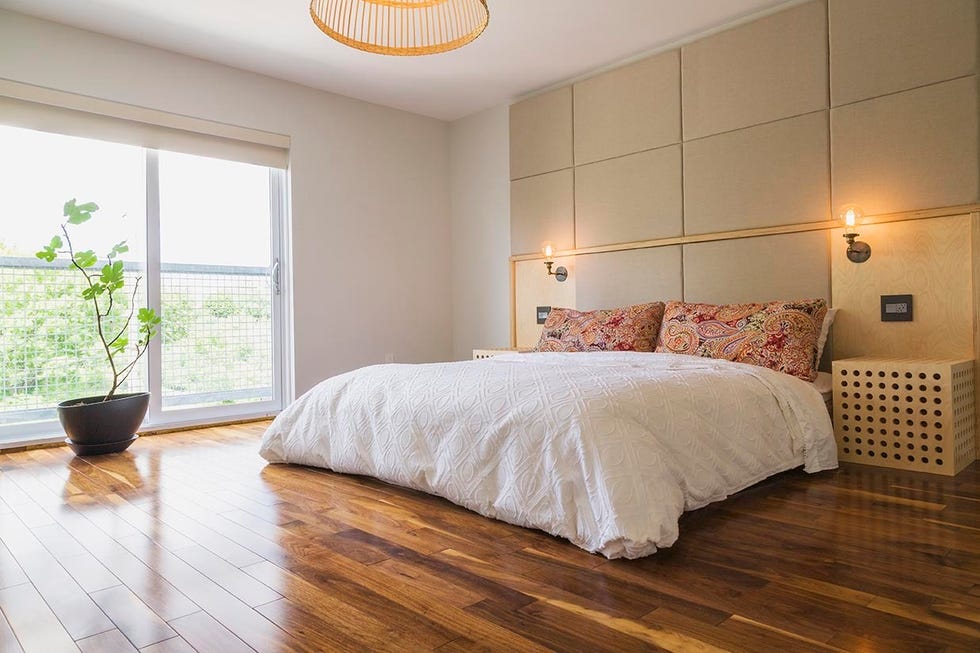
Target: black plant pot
(96, 427)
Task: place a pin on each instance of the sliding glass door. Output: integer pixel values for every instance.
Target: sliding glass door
(218, 285)
(204, 236)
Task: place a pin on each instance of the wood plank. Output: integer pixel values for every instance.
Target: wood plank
(138, 623)
(111, 641)
(8, 641)
(172, 645)
(32, 621)
(10, 572)
(205, 635)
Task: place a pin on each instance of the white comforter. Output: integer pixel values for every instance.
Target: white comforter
(604, 449)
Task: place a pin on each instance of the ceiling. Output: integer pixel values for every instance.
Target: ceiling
(528, 45)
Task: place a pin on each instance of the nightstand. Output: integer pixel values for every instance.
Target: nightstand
(905, 413)
(479, 354)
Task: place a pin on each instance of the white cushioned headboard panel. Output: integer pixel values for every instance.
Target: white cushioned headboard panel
(631, 277)
(785, 266)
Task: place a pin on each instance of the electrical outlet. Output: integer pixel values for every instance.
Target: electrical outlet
(896, 308)
(390, 357)
(541, 313)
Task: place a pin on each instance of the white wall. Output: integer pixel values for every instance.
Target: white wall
(480, 190)
(370, 187)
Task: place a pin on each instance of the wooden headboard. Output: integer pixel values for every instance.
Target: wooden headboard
(730, 267)
(933, 255)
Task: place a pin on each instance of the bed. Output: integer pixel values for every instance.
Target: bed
(605, 449)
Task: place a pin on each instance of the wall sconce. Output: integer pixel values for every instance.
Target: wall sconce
(560, 272)
(857, 251)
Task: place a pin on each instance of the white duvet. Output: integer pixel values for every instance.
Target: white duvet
(604, 449)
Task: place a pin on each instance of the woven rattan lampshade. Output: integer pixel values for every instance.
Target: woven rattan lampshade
(401, 27)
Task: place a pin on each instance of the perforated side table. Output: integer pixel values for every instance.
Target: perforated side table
(905, 413)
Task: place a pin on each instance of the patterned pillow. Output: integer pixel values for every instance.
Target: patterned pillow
(631, 328)
(779, 335)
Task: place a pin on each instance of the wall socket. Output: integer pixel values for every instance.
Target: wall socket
(896, 308)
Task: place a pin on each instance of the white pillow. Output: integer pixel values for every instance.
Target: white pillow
(828, 321)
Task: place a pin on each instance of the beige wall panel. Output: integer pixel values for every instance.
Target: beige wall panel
(533, 288)
(541, 134)
(542, 208)
(883, 46)
(929, 259)
(773, 174)
(911, 150)
(767, 268)
(635, 197)
(630, 277)
(771, 68)
(633, 108)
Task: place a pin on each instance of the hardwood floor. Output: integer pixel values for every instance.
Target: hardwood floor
(190, 542)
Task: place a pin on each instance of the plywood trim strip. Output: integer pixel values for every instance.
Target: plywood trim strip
(975, 257)
(754, 233)
(513, 303)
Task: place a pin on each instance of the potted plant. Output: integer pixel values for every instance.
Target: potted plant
(106, 423)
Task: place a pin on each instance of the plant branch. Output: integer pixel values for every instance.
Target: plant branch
(132, 310)
(98, 315)
(124, 373)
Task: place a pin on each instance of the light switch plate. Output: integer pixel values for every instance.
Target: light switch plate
(896, 308)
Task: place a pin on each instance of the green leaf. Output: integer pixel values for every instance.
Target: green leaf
(93, 291)
(112, 274)
(147, 316)
(120, 248)
(119, 345)
(47, 254)
(55, 242)
(79, 214)
(86, 259)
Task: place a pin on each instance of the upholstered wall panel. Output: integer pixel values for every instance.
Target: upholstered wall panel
(787, 266)
(629, 109)
(542, 208)
(631, 277)
(534, 288)
(929, 259)
(630, 198)
(910, 150)
(771, 68)
(541, 134)
(883, 46)
(772, 174)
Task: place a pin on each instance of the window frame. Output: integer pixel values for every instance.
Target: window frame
(159, 418)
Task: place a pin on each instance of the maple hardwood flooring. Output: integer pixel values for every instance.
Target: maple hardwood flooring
(189, 541)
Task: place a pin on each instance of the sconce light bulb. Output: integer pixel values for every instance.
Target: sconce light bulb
(548, 249)
(851, 215)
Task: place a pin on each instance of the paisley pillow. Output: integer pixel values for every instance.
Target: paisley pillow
(631, 328)
(779, 335)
